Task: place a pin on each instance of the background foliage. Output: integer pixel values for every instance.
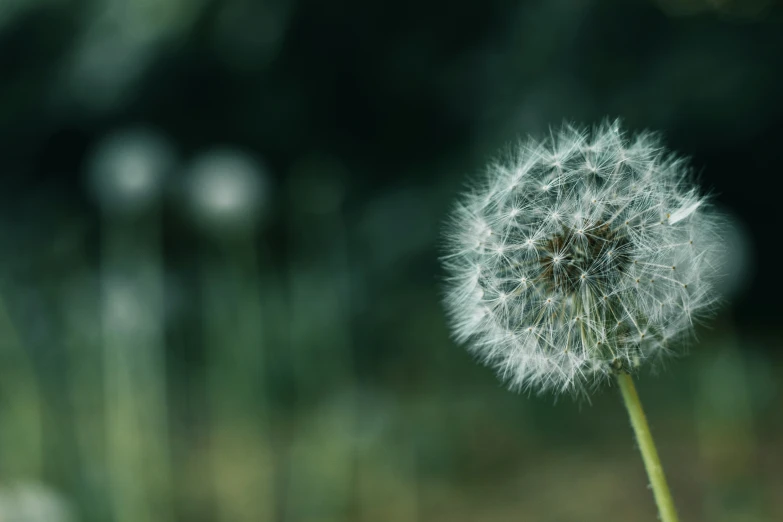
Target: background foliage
(293, 363)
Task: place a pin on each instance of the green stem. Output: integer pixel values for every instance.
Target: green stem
(652, 463)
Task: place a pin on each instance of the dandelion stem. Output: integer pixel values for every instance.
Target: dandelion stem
(663, 497)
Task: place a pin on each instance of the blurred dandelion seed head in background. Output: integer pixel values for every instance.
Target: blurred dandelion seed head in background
(226, 191)
(33, 502)
(128, 171)
(127, 308)
(579, 256)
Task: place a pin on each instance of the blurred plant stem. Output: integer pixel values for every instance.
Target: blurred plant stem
(20, 406)
(134, 371)
(79, 305)
(321, 350)
(233, 325)
(725, 425)
(387, 468)
(319, 286)
(652, 463)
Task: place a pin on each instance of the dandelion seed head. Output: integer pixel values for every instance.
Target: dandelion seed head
(226, 190)
(562, 272)
(128, 169)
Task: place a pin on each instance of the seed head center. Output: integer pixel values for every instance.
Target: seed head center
(571, 254)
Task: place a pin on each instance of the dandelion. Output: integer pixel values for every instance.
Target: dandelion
(34, 501)
(127, 175)
(127, 171)
(581, 258)
(225, 194)
(226, 191)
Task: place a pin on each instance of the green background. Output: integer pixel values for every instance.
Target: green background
(297, 366)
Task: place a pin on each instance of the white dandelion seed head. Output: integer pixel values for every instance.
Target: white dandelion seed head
(127, 171)
(33, 501)
(226, 190)
(576, 257)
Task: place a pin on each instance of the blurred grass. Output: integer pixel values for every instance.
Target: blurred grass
(298, 422)
(239, 381)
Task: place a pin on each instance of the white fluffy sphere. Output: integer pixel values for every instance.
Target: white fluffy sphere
(128, 170)
(584, 255)
(226, 190)
(33, 502)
